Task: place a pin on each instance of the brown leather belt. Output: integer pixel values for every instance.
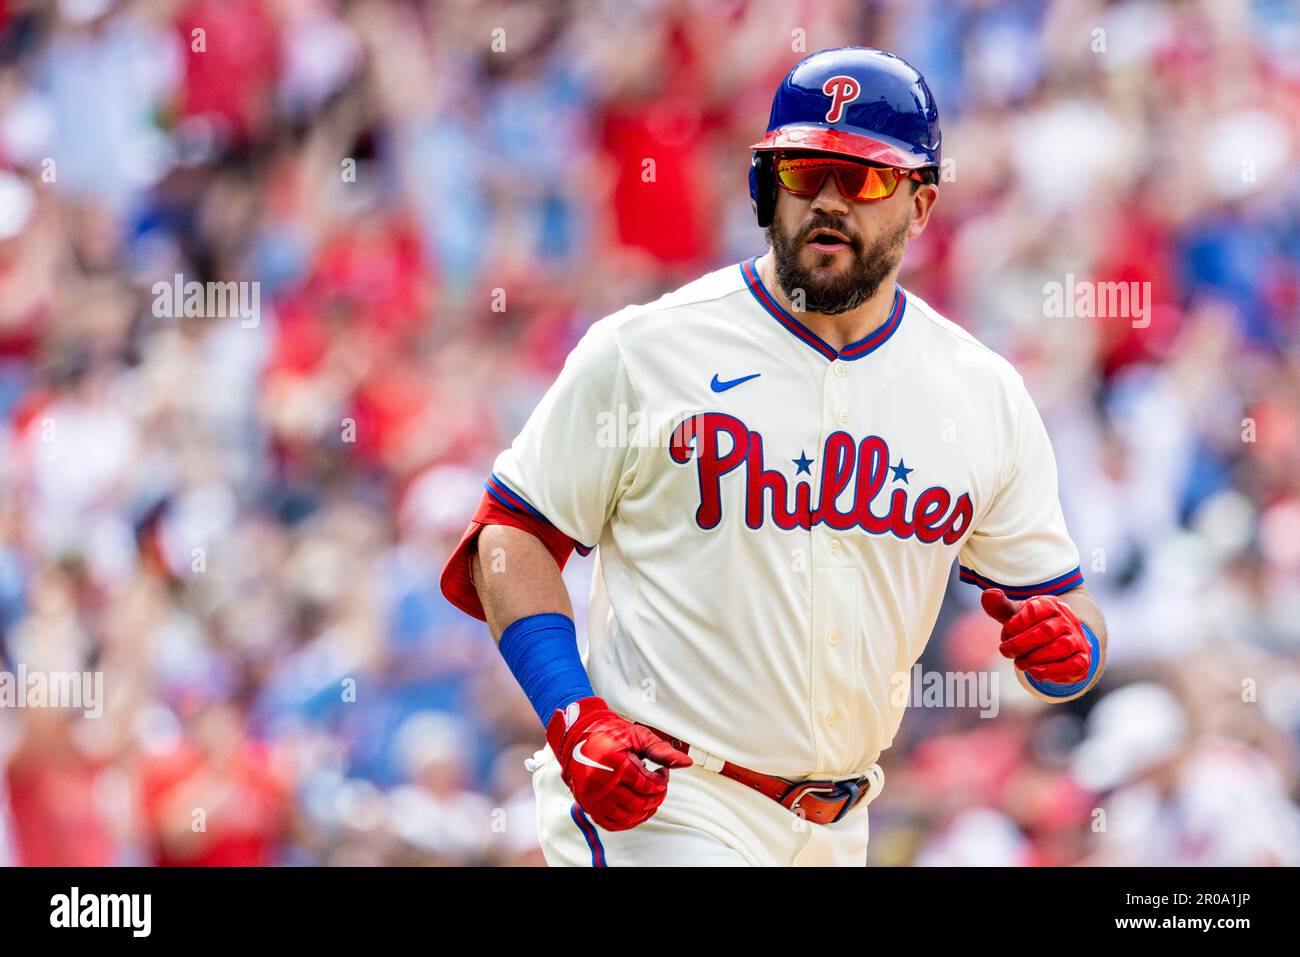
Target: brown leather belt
(822, 802)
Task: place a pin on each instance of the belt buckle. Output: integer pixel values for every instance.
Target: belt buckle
(848, 791)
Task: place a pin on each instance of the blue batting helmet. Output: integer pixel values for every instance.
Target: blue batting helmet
(852, 101)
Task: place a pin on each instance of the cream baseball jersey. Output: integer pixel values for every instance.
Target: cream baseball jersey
(774, 520)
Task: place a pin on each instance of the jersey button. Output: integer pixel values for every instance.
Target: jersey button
(833, 718)
(833, 638)
(833, 546)
(840, 368)
(843, 416)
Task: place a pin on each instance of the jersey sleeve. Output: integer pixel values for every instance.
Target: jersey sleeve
(561, 477)
(1021, 545)
(568, 464)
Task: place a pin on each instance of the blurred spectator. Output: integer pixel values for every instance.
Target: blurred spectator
(213, 798)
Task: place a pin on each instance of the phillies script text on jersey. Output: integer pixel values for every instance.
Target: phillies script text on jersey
(933, 516)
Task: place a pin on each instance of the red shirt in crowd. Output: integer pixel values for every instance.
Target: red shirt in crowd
(245, 805)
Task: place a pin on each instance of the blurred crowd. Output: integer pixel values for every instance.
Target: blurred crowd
(240, 522)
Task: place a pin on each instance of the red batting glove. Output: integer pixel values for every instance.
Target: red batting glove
(1043, 635)
(600, 760)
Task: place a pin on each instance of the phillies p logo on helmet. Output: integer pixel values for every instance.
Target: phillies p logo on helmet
(842, 90)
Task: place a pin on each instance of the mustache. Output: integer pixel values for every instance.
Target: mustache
(830, 222)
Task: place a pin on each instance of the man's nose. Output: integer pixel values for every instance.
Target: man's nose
(829, 199)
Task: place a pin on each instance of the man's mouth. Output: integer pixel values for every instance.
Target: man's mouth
(828, 241)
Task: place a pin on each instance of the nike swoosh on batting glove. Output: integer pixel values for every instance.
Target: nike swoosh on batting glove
(601, 759)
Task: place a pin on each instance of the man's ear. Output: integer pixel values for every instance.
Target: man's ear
(923, 200)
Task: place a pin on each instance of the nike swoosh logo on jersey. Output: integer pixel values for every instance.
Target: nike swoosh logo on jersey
(717, 385)
(583, 759)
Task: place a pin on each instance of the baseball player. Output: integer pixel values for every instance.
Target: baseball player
(802, 449)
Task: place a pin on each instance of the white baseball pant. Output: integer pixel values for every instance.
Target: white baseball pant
(706, 820)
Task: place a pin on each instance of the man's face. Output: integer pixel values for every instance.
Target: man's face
(838, 251)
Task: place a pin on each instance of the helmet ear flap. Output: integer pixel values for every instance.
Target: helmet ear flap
(762, 187)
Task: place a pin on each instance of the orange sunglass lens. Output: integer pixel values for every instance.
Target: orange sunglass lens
(804, 177)
(869, 182)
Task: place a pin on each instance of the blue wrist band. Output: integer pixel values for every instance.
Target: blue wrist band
(542, 652)
(1054, 690)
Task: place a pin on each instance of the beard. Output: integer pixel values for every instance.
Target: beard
(846, 289)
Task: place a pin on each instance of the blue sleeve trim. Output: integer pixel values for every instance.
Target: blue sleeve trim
(1053, 586)
(1054, 690)
(512, 500)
